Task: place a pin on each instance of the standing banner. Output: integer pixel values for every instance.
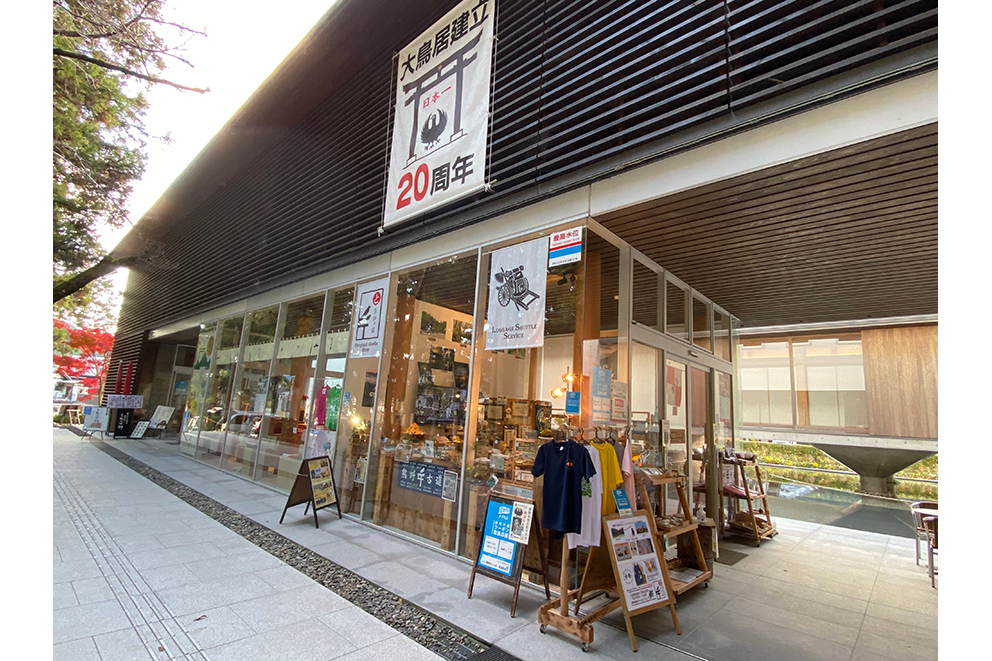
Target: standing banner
(441, 116)
(517, 287)
(370, 319)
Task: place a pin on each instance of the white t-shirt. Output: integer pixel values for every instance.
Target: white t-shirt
(591, 505)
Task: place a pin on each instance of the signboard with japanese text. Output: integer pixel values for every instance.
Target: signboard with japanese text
(422, 478)
(139, 429)
(162, 414)
(510, 541)
(573, 401)
(517, 288)
(566, 247)
(95, 418)
(498, 550)
(370, 318)
(441, 117)
(601, 394)
(314, 486)
(319, 470)
(125, 401)
(619, 406)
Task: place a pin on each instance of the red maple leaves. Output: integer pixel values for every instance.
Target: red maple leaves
(87, 356)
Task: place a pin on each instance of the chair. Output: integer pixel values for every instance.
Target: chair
(919, 510)
(930, 524)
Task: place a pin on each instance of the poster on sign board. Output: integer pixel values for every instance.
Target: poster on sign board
(370, 318)
(441, 116)
(636, 560)
(517, 288)
(95, 418)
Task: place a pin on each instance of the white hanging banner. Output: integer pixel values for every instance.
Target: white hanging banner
(517, 287)
(441, 119)
(369, 319)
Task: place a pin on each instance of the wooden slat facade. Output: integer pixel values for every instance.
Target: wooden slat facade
(582, 89)
(847, 234)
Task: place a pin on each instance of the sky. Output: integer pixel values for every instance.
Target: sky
(244, 44)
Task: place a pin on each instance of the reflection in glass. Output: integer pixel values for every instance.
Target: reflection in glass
(421, 430)
(766, 385)
(721, 332)
(215, 413)
(645, 304)
(700, 323)
(251, 416)
(675, 322)
(292, 390)
(197, 391)
(830, 383)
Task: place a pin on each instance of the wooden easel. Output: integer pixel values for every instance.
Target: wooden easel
(303, 492)
(600, 573)
(520, 562)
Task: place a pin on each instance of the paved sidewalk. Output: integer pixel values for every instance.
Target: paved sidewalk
(815, 592)
(140, 574)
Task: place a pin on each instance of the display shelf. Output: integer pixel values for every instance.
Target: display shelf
(756, 523)
(689, 528)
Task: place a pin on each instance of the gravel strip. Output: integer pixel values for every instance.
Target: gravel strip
(424, 627)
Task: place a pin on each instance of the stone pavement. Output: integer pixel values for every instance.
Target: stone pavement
(813, 592)
(140, 574)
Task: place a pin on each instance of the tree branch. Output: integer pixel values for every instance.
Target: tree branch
(114, 67)
(106, 265)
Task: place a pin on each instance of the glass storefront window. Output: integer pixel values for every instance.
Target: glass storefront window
(358, 378)
(766, 384)
(421, 429)
(701, 323)
(721, 334)
(292, 389)
(645, 309)
(210, 444)
(675, 304)
(197, 390)
(251, 417)
(830, 383)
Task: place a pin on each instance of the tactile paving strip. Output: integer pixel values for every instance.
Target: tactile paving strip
(160, 632)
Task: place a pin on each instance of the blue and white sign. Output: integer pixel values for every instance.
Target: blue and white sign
(623, 503)
(566, 247)
(601, 394)
(572, 403)
(498, 550)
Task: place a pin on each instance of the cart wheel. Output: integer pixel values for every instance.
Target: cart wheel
(706, 585)
(585, 647)
(544, 628)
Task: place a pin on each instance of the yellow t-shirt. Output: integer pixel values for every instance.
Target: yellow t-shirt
(612, 477)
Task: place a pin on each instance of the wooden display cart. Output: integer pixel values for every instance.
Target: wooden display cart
(688, 527)
(756, 523)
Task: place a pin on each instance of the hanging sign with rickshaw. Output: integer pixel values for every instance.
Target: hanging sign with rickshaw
(517, 287)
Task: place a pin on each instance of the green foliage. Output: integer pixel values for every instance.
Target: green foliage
(104, 54)
(806, 456)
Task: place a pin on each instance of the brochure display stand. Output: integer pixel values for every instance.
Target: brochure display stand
(635, 571)
(509, 529)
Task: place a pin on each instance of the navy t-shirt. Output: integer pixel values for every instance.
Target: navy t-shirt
(563, 466)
